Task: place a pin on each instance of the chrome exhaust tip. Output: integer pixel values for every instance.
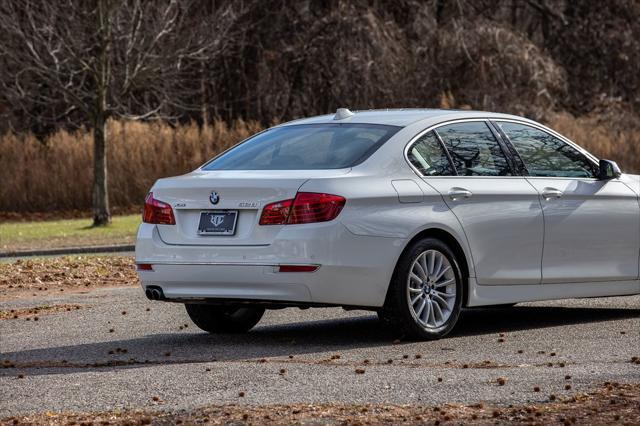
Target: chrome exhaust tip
(154, 293)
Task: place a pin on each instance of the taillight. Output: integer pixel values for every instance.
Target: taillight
(276, 213)
(158, 212)
(307, 207)
(310, 207)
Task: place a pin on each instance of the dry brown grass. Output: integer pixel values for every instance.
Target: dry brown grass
(614, 136)
(56, 175)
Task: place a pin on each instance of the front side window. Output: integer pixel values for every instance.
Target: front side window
(546, 155)
(305, 147)
(428, 156)
(474, 150)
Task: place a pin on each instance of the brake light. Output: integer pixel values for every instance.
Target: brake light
(307, 207)
(158, 212)
(276, 213)
(310, 207)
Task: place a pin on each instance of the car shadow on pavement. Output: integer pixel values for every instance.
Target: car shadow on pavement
(283, 341)
(478, 321)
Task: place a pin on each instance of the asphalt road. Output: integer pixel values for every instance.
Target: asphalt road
(66, 364)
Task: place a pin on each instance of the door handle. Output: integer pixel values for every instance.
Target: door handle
(549, 193)
(458, 193)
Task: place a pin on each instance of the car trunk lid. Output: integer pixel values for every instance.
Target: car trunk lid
(246, 192)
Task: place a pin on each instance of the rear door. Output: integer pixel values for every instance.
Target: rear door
(592, 227)
(499, 210)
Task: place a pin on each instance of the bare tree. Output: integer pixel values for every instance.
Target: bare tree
(86, 61)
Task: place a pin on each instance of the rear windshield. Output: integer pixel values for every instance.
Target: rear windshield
(305, 147)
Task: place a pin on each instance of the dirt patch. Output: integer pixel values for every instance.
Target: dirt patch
(34, 313)
(611, 403)
(47, 276)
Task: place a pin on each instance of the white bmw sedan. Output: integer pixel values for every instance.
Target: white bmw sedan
(415, 214)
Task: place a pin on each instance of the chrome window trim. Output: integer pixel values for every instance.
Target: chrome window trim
(564, 139)
(538, 126)
(440, 143)
(414, 139)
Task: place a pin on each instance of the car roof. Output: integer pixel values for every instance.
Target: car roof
(399, 117)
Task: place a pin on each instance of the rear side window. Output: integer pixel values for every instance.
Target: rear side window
(474, 150)
(546, 155)
(305, 147)
(428, 156)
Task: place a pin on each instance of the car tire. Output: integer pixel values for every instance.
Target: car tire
(442, 285)
(224, 319)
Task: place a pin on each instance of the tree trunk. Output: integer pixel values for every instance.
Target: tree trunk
(204, 101)
(439, 11)
(101, 215)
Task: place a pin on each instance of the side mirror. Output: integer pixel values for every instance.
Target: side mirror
(609, 170)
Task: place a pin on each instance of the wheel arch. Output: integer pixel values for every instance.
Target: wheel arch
(455, 245)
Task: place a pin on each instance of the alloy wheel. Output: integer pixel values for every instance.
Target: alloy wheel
(431, 289)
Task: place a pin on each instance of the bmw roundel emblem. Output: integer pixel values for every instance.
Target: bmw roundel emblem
(214, 197)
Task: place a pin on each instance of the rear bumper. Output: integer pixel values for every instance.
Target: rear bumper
(354, 270)
(215, 281)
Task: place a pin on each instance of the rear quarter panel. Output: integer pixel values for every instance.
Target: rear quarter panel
(373, 208)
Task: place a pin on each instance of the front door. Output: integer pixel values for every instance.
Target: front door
(592, 227)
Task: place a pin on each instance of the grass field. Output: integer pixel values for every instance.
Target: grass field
(66, 233)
